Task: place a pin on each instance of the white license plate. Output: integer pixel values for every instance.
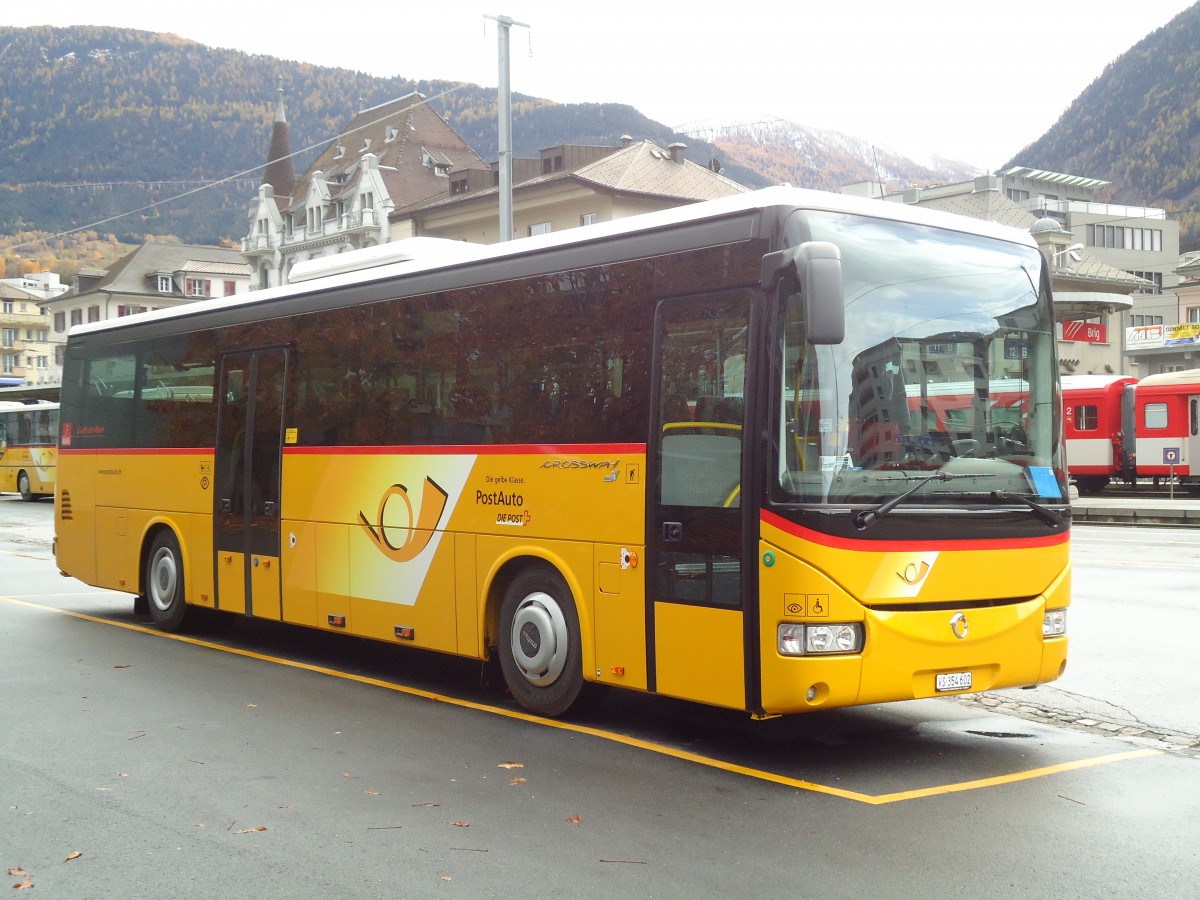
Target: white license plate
(953, 681)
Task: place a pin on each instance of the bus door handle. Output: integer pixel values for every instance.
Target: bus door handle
(672, 532)
(226, 505)
(270, 508)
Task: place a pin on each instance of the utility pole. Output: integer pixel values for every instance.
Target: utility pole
(504, 100)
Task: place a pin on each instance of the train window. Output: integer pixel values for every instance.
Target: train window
(1156, 415)
(1087, 418)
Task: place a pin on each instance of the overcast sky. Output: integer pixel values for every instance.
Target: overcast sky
(969, 80)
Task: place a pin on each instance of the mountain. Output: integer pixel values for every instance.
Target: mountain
(814, 158)
(96, 122)
(1138, 126)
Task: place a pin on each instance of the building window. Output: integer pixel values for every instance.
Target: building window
(10, 363)
(1139, 321)
(164, 284)
(368, 200)
(60, 321)
(199, 287)
(10, 336)
(42, 334)
(76, 317)
(8, 307)
(1154, 277)
(60, 354)
(1193, 314)
(1017, 196)
(42, 360)
(539, 228)
(589, 219)
(230, 288)
(93, 313)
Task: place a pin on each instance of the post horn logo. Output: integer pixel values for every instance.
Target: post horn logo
(419, 530)
(914, 573)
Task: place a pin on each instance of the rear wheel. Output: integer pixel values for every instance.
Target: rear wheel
(23, 487)
(163, 583)
(540, 649)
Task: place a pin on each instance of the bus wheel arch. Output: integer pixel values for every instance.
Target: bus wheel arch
(536, 636)
(163, 579)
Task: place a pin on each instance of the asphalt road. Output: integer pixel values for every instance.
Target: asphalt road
(258, 760)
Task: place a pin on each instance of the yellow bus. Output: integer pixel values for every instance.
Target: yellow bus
(673, 453)
(28, 449)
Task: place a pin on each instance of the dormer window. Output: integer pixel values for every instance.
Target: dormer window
(366, 145)
(390, 134)
(339, 152)
(164, 284)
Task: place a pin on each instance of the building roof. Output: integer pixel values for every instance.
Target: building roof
(642, 168)
(411, 141)
(1056, 178)
(132, 273)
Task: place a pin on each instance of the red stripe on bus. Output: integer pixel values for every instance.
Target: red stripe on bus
(472, 449)
(136, 451)
(866, 544)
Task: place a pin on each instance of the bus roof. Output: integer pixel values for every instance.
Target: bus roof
(1187, 376)
(428, 254)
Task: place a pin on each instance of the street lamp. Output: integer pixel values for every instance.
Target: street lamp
(1072, 251)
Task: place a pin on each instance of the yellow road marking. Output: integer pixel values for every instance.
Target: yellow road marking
(662, 750)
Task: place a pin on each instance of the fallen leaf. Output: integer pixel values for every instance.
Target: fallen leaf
(511, 765)
(250, 830)
(17, 871)
(461, 824)
(517, 780)
(447, 878)
(122, 774)
(104, 790)
(427, 805)
(126, 666)
(252, 705)
(371, 793)
(575, 820)
(74, 854)
(24, 885)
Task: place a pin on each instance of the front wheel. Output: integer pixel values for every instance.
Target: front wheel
(540, 650)
(24, 489)
(163, 583)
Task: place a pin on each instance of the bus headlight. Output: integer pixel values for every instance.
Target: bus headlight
(1054, 623)
(798, 639)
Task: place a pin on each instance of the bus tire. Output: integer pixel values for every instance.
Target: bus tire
(163, 582)
(540, 650)
(23, 487)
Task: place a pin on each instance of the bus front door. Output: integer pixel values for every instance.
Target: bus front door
(247, 481)
(695, 587)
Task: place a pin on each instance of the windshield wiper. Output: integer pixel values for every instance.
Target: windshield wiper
(869, 517)
(1045, 513)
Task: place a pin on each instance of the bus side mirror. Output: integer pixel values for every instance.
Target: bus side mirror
(816, 267)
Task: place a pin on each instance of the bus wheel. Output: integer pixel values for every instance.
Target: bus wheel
(164, 583)
(540, 651)
(23, 488)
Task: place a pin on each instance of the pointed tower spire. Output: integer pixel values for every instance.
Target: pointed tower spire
(280, 173)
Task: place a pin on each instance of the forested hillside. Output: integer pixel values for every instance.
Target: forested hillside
(95, 122)
(1138, 126)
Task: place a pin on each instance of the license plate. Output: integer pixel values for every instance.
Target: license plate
(953, 681)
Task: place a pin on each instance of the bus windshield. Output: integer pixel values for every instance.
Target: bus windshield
(948, 366)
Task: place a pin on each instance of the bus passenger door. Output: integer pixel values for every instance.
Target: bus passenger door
(696, 621)
(247, 480)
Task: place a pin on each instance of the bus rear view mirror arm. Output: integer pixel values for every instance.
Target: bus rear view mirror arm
(816, 267)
